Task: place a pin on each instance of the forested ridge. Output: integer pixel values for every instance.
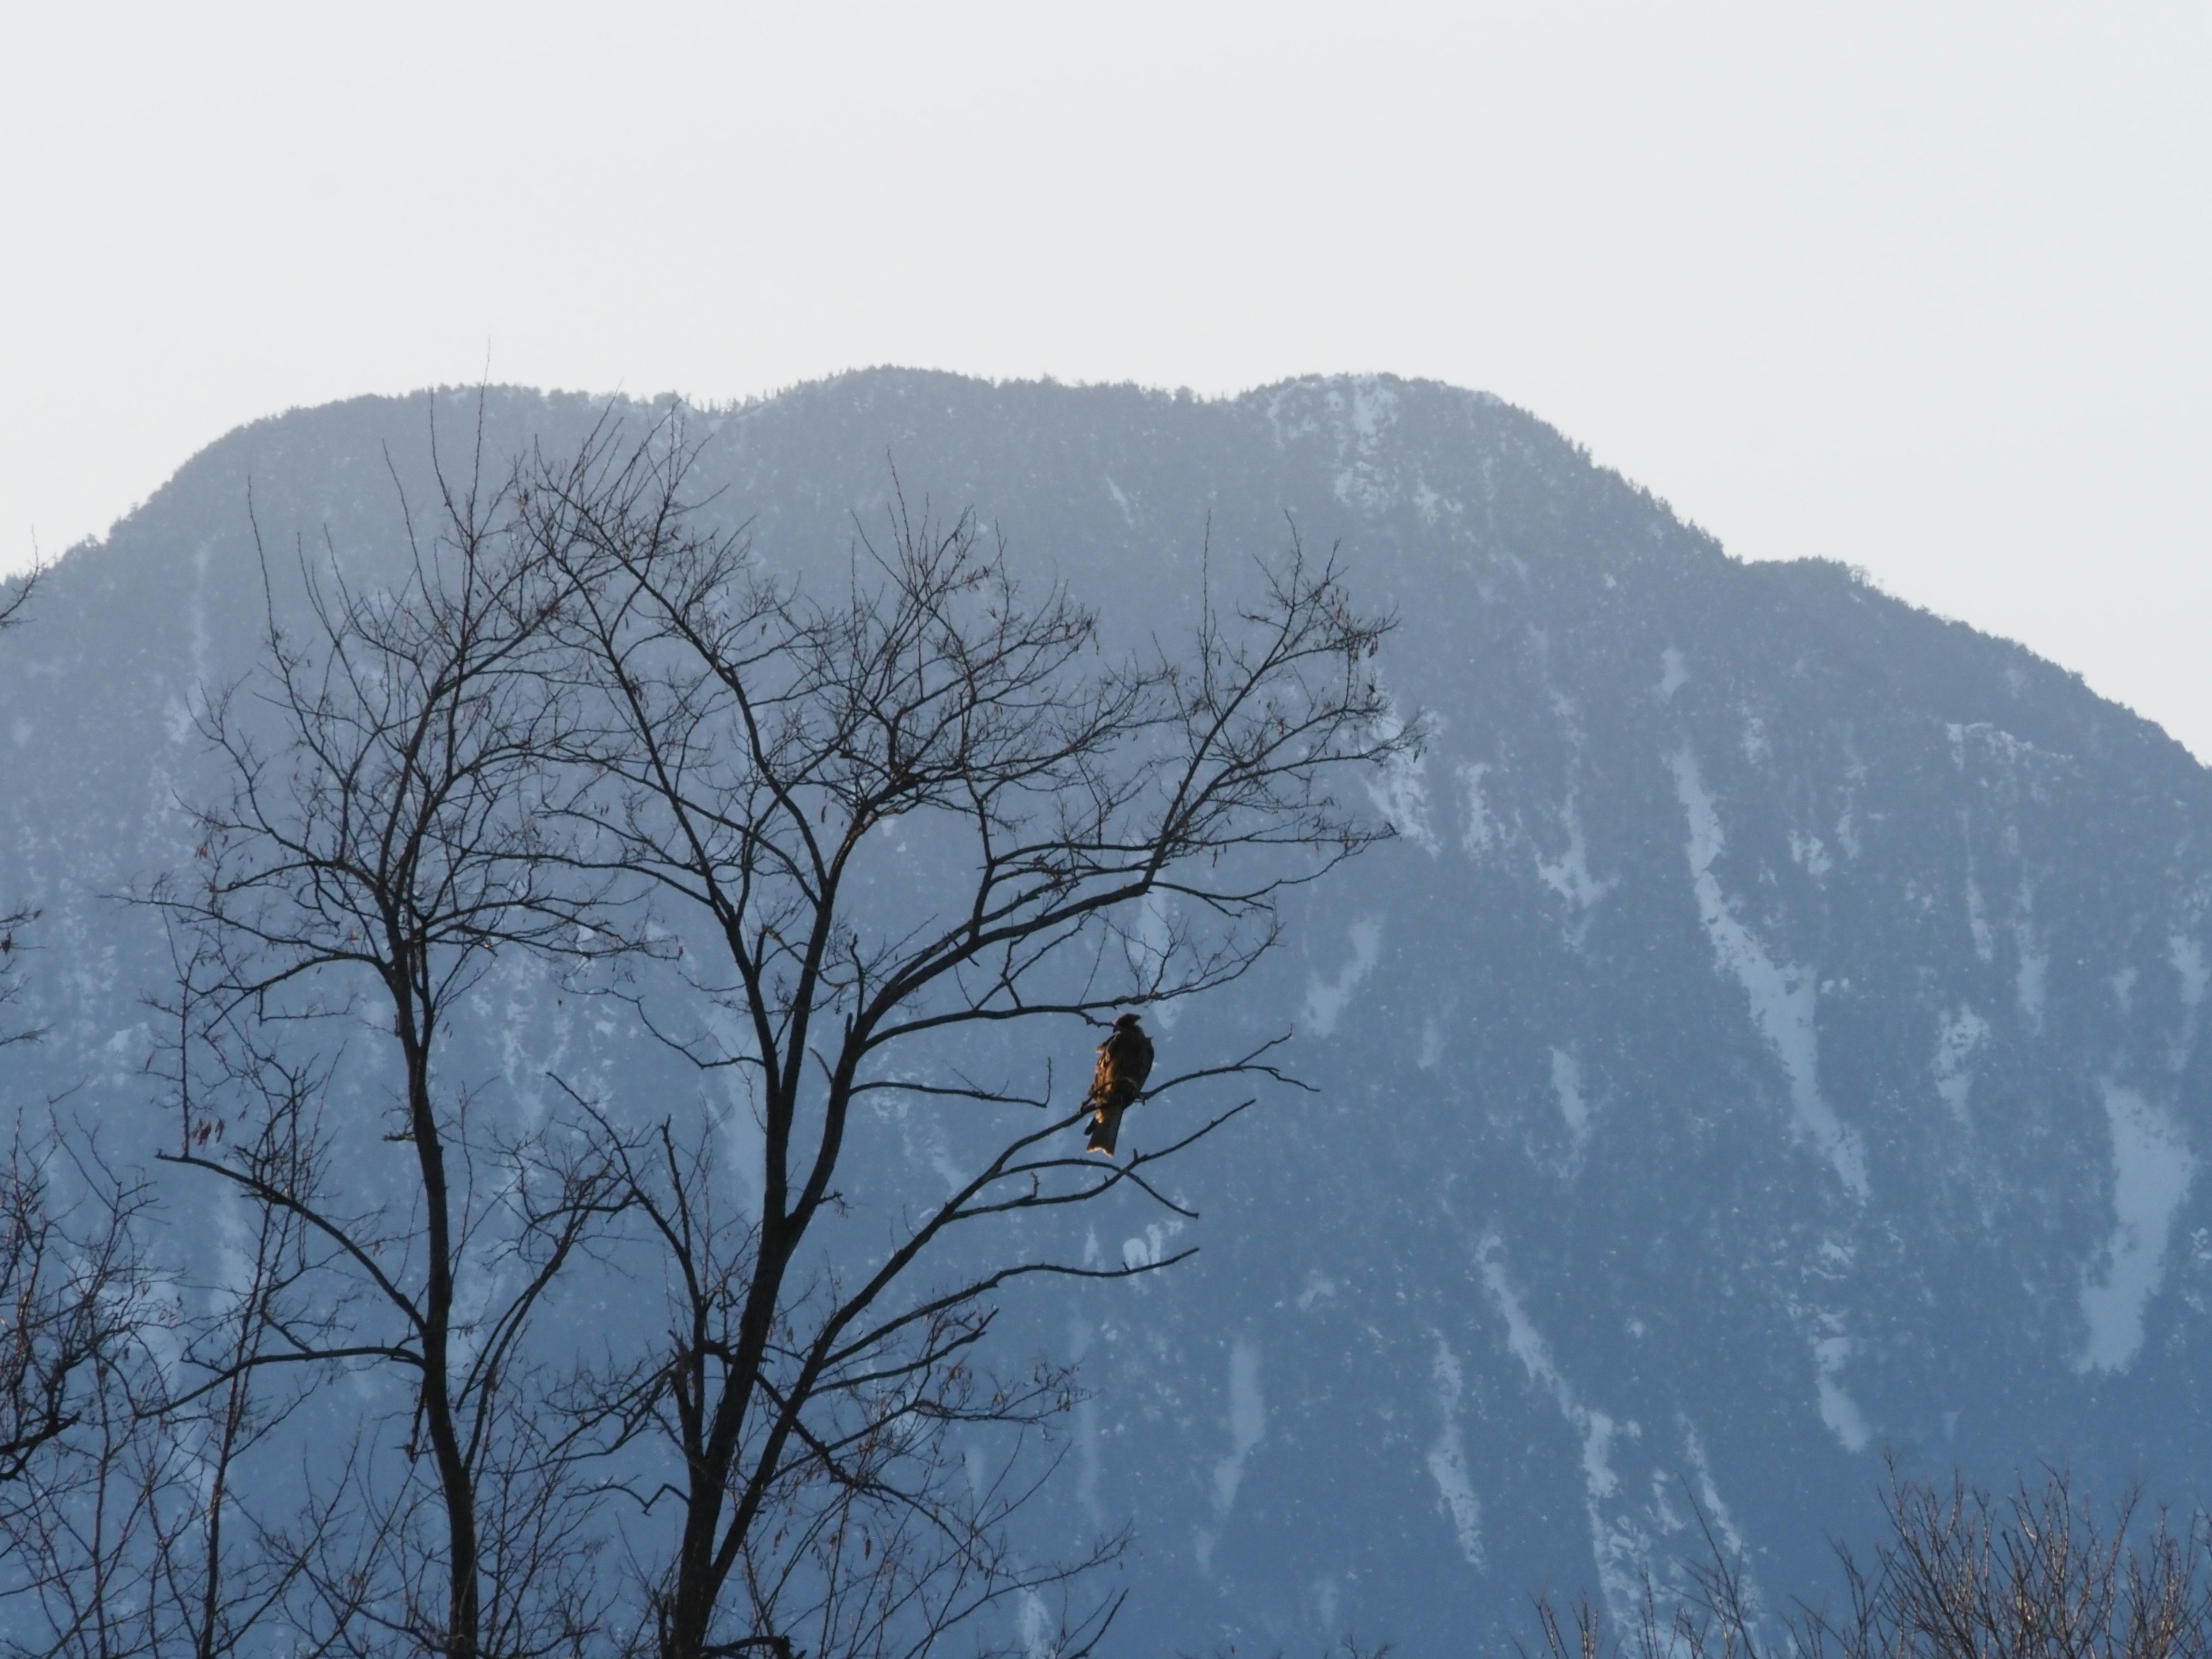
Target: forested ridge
(565, 944)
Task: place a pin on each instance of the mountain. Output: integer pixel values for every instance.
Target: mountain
(1772, 1040)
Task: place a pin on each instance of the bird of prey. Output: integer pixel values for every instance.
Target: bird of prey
(1125, 1060)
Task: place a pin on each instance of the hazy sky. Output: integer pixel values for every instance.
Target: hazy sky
(1926, 287)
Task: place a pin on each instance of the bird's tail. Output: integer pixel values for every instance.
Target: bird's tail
(1105, 1127)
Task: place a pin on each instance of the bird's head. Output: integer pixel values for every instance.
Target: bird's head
(1126, 1022)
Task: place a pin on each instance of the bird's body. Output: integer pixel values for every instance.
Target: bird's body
(1125, 1060)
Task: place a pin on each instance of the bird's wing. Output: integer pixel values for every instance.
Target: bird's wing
(1137, 1062)
(1124, 1061)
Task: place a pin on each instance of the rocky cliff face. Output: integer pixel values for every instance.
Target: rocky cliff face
(1774, 1038)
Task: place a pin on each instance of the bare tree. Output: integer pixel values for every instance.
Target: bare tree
(72, 1275)
(2035, 1575)
(1959, 1575)
(383, 850)
(585, 727)
(119, 1517)
(1103, 831)
(55, 1285)
(874, 1535)
(14, 599)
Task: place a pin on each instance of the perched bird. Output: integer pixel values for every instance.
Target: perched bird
(1125, 1060)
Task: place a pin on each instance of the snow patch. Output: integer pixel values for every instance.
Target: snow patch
(1808, 853)
(202, 642)
(1038, 1628)
(1978, 920)
(1447, 1460)
(1619, 1548)
(1838, 1409)
(1523, 1340)
(1432, 504)
(1567, 1084)
(1149, 948)
(1481, 830)
(1361, 481)
(1672, 675)
(1248, 1421)
(1729, 1535)
(1956, 1044)
(1248, 1426)
(1325, 1000)
(2035, 970)
(1089, 1458)
(2187, 956)
(1150, 1248)
(1401, 792)
(1121, 501)
(1325, 1595)
(2029, 981)
(2152, 1168)
(1570, 875)
(1782, 994)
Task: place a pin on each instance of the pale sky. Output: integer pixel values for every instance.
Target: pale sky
(1925, 288)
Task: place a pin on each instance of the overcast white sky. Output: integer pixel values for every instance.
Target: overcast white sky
(1924, 287)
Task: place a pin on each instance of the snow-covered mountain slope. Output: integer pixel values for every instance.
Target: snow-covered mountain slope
(1774, 1038)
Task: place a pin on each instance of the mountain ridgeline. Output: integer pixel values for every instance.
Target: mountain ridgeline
(1773, 1038)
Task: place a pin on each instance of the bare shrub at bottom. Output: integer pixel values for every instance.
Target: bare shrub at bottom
(1960, 1574)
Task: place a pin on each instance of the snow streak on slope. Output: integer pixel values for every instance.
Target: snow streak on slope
(2187, 956)
(2152, 1168)
(1961, 1038)
(1619, 1548)
(1567, 1084)
(1838, 1409)
(1476, 838)
(1447, 1460)
(1325, 999)
(1248, 1426)
(1400, 792)
(1781, 993)
(1569, 875)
